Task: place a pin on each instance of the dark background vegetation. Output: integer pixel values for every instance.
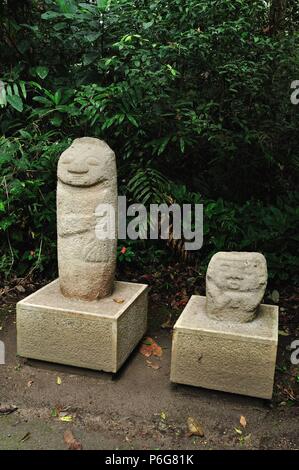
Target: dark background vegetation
(193, 96)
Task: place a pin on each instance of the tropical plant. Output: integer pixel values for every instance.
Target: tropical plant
(193, 96)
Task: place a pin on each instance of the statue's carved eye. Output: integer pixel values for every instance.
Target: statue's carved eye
(92, 161)
(66, 160)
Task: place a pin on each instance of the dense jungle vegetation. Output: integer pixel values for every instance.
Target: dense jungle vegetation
(193, 96)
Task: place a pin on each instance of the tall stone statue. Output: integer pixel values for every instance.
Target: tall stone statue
(87, 182)
(84, 318)
(235, 285)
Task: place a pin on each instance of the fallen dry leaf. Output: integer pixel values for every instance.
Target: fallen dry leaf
(145, 350)
(243, 421)
(26, 437)
(71, 441)
(119, 301)
(60, 411)
(149, 347)
(194, 427)
(153, 365)
(6, 410)
(20, 289)
(65, 418)
(168, 324)
(157, 350)
(290, 393)
(238, 431)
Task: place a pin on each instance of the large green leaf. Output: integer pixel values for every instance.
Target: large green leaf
(16, 102)
(42, 71)
(50, 15)
(3, 100)
(93, 36)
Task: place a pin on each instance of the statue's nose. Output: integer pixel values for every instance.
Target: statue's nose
(236, 277)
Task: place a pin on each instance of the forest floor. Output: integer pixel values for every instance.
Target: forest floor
(139, 408)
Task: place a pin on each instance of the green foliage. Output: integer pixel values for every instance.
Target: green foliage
(254, 226)
(197, 92)
(27, 201)
(125, 253)
(148, 186)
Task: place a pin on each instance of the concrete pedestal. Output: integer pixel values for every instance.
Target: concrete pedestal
(233, 357)
(96, 335)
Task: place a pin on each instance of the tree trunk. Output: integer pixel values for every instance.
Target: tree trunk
(277, 15)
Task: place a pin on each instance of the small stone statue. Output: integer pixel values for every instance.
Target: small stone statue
(87, 180)
(235, 285)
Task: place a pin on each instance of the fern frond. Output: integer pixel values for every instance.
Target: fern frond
(148, 186)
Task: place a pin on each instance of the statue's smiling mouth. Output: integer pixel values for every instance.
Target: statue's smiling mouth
(233, 283)
(78, 172)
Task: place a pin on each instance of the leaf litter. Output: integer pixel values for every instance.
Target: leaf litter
(194, 427)
(149, 348)
(243, 421)
(70, 440)
(7, 410)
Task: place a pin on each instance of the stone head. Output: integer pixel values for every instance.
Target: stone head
(87, 162)
(235, 285)
(238, 271)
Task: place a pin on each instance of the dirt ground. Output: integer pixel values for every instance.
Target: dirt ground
(138, 408)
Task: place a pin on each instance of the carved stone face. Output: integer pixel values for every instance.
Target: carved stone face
(238, 274)
(235, 285)
(85, 162)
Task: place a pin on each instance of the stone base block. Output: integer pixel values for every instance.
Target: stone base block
(96, 335)
(232, 357)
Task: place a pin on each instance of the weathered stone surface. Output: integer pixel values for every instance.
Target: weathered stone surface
(235, 285)
(98, 335)
(83, 318)
(232, 357)
(86, 179)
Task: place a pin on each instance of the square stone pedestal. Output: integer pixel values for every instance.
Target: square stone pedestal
(233, 357)
(96, 335)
